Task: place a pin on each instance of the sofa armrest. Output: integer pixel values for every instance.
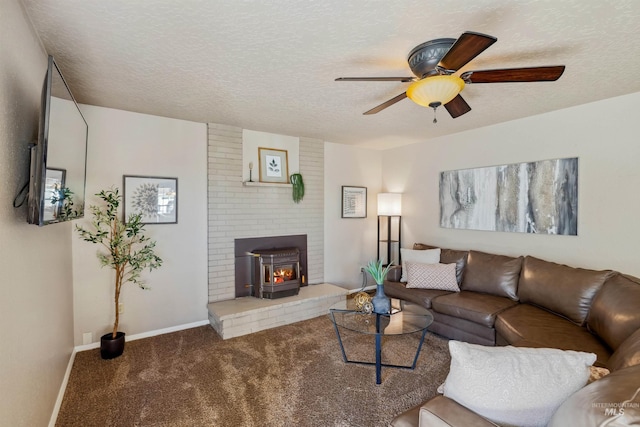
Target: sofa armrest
(442, 412)
(409, 418)
(613, 400)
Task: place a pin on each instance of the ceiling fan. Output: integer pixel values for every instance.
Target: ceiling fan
(434, 63)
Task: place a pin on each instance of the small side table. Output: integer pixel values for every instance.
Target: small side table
(405, 318)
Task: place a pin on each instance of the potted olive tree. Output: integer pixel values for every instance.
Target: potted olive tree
(125, 249)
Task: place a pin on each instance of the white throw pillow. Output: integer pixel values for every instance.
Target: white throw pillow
(432, 276)
(514, 386)
(428, 256)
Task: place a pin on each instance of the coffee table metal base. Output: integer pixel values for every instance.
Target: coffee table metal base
(378, 363)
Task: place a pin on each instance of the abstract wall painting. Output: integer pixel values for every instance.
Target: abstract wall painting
(537, 197)
(155, 198)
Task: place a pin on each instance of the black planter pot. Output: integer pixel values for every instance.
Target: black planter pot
(111, 347)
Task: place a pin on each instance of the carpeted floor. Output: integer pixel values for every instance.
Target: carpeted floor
(289, 376)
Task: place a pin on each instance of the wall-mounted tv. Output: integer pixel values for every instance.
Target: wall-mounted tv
(59, 158)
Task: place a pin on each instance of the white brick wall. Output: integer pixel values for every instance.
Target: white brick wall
(236, 211)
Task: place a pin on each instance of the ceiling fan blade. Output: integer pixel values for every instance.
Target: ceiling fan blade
(386, 104)
(468, 46)
(375, 79)
(457, 107)
(514, 75)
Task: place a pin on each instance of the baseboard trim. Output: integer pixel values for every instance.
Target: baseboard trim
(63, 388)
(78, 348)
(166, 330)
(148, 334)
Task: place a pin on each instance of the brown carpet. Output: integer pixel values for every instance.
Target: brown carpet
(289, 376)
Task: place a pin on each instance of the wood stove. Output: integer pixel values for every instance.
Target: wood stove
(246, 250)
(276, 273)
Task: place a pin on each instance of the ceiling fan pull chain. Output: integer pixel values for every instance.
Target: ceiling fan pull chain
(434, 115)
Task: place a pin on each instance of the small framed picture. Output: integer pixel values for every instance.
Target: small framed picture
(354, 202)
(155, 198)
(53, 185)
(274, 166)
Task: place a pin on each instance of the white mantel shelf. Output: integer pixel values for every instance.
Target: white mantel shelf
(265, 184)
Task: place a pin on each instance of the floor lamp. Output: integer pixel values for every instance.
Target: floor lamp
(389, 227)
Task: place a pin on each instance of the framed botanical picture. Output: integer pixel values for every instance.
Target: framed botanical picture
(156, 198)
(53, 185)
(354, 202)
(274, 166)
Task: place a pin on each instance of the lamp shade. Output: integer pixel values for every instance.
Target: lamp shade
(390, 204)
(436, 90)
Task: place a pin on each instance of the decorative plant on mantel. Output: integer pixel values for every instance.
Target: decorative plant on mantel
(298, 187)
(128, 250)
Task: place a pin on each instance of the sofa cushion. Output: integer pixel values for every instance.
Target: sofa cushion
(562, 289)
(514, 386)
(422, 297)
(627, 354)
(459, 329)
(448, 256)
(432, 276)
(600, 403)
(615, 311)
(429, 256)
(533, 324)
(473, 306)
(492, 274)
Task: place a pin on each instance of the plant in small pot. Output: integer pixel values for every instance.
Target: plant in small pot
(381, 303)
(125, 249)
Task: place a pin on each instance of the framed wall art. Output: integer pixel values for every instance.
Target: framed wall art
(354, 202)
(155, 198)
(274, 165)
(536, 197)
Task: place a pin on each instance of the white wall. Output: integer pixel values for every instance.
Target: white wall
(349, 242)
(36, 311)
(124, 143)
(253, 140)
(604, 135)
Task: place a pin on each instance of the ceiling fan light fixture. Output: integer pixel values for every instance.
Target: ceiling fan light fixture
(435, 90)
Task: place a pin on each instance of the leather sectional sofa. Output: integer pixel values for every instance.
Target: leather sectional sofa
(529, 302)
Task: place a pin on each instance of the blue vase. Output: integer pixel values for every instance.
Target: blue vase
(381, 303)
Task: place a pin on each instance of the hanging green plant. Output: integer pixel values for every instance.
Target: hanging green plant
(298, 187)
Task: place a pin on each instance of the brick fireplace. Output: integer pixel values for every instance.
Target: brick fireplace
(238, 211)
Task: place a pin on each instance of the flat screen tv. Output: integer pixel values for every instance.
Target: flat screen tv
(59, 158)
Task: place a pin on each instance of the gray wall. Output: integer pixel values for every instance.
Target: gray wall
(36, 310)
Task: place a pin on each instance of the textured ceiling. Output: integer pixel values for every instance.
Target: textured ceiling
(270, 65)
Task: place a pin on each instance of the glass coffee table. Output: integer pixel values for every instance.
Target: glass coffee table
(405, 318)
